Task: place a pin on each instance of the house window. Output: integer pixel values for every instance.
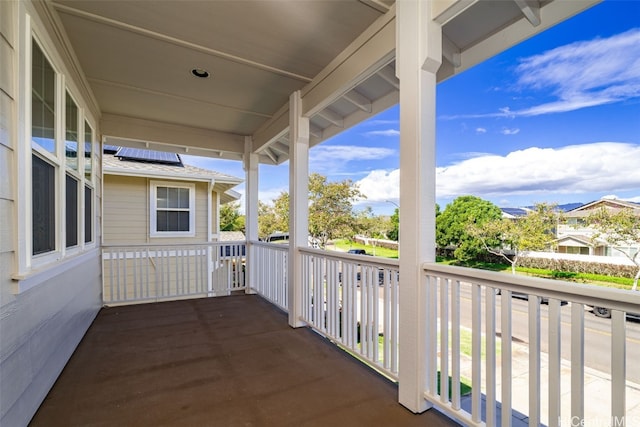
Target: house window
(172, 209)
(43, 105)
(62, 168)
(88, 214)
(88, 151)
(72, 211)
(43, 206)
(71, 133)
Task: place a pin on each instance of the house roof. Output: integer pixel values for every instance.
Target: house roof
(113, 165)
(614, 204)
(514, 212)
(580, 238)
(231, 236)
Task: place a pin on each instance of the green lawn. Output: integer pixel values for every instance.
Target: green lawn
(593, 279)
(344, 245)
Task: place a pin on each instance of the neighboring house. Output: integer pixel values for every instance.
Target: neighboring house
(153, 197)
(514, 213)
(575, 237)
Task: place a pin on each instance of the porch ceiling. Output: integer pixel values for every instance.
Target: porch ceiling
(137, 58)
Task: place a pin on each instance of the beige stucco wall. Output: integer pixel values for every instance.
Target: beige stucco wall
(127, 211)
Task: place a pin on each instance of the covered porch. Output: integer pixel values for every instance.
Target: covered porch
(283, 77)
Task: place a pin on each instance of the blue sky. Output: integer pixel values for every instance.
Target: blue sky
(555, 119)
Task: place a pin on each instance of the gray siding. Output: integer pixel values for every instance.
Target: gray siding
(127, 216)
(40, 327)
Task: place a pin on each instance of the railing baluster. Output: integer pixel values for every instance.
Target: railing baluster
(444, 340)
(490, 351)
(118, 276)
(455, 345)
(618, 368)
(505, 342)
(555, 358)
(476, 351)
(577, 363)
(534, 360)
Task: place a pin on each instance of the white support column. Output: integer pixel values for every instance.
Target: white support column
(298, 204)
(418, 57)
(251, 210)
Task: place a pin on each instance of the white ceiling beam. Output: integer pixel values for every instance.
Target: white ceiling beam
(358, 116)
(374, 48)
(371, 50)
(271, 155)
(451, 52)
(280, 147)
(377, 5)
(315, 131)
(358, 100)
(444, 11)
(531, 10)
(332, 117)
(177, 136)
(389, 75)
(550, 14)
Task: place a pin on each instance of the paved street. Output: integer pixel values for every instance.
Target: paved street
(597, 359)
(597, 333)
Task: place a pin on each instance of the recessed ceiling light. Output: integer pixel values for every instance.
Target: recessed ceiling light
(200, 72)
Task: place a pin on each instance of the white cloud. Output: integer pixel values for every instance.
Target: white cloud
(506, 131)
(332, 159)
(481, 130)
(347, 153)
(380, 185)
(381, 122)
(386, 132)
(583, 74)
(578, 75)
(575, 169)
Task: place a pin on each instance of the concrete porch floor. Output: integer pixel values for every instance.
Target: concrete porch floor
(229, 361)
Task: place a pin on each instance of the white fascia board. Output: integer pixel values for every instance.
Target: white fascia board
(157, 174)
(550, 14)
(129, 128)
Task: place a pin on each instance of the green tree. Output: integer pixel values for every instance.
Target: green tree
(230, 217)
(331, 208)
(395, 225)
(619, 229)
(512, 238)
(453, 223)
(372, 226)
(272, 219)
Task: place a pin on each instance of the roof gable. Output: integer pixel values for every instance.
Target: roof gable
(613, 204)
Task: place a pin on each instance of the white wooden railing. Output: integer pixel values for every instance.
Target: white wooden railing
(353, 300)
(148, 273)
(491, 361)
(268, 272)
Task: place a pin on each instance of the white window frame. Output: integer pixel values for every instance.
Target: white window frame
(90, 183)
(29, 264)
(77, 174)
(153, 196)
(56, 159)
